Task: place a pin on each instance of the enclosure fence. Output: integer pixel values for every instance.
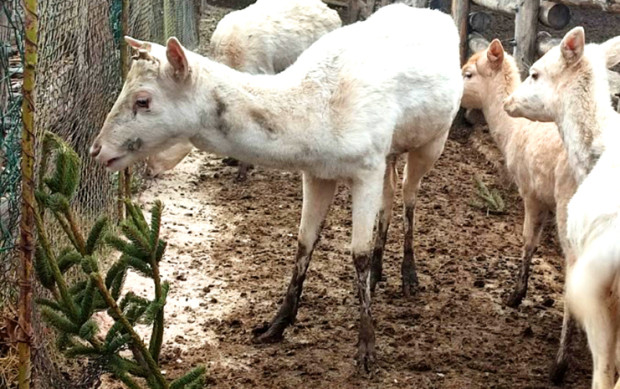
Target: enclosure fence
(78, 76)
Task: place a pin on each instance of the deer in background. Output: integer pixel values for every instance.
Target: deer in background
(263, 38)
(569, 86)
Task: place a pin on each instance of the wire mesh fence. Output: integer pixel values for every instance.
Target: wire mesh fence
(78, 76)
(11, 75)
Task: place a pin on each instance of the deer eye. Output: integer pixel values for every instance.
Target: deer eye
(534, 76)
(467, 75)
(142, 102)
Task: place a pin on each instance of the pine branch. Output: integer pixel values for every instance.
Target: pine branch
(67, 260)
(59, 322)
(136, 341)
(42, 268)
(189, 379)
(96, 234)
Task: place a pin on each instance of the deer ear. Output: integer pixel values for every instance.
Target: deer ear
(573, 44)
(177, 58)
(495, 53)
(137, 44)
(612, 51)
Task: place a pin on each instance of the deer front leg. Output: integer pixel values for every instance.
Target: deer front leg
(535, 218)
(366, 195)
(242, 173)
(385, 216)
(318, 195)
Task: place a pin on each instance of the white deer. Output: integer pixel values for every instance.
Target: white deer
(569, 85)
(357, 98)
(535, 159)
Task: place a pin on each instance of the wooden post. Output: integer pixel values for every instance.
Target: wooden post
(460, 14)
(526, 26)
(26, 225)
(354, 11)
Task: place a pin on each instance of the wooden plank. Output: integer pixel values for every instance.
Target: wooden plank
(526, 27)
(460, 14)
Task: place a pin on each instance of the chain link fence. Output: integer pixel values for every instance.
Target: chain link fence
(78, 76)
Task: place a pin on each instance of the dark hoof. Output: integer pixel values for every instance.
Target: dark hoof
(557, 372)
(267, 333)
(410, 286)
(410, 290)
(515, 299)
(374, 280)
(365, 359)
(241, 178)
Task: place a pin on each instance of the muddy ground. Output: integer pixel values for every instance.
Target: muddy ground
(231, 252)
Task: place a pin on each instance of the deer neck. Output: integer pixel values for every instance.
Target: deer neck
(501, 125)
(257, 119)
(585, 114)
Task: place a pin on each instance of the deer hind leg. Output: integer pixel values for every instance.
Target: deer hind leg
(587, 293)
(419, 162)
(366, 196)
(536, 216)
(385, 217)
(317, 197)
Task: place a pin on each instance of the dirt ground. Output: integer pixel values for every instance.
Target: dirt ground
(231, 252)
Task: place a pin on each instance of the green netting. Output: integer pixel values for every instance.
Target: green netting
(78, 76)
(11, 72)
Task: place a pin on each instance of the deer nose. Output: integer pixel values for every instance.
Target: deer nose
(95, 149)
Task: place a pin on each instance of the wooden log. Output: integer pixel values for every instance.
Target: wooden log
(460, 13)
(544, 42)
(505, 6)
(605, 5)
(354, 11)
(554, 15)
(477, 42)
(526, 26)
(480, 21)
